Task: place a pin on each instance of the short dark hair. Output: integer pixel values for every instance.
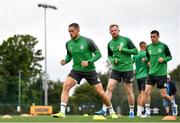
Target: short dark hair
(112, 25)
(75, 25)
(155, 32)
(142, 42)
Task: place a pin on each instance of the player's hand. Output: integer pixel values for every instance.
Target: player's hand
(120, 48)
(115, 61)
(149, 63)
(144, 59)
(84, 63)
(63, 62)
(160, 60)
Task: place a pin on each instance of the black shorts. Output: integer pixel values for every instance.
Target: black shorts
(125, 76)
(141, 83)
(160, 80)
(91, 77)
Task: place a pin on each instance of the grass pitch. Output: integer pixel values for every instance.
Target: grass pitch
(80, 118)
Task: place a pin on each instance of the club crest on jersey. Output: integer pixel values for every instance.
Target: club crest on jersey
(112, 48)
(150, 52)
(121, 44)
(70, 48)
(81, 47)
(159, 50)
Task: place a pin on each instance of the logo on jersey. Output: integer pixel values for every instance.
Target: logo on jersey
(159, 50)
(81, 47)
(70, 49)
(112, 48)
(121, 44)
(150, 52)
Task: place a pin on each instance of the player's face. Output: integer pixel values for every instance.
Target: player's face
(73, 32)
(143, 46)
(114, 31)
(154, 38)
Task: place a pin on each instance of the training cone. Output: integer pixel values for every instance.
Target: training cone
(86, 115)
(169, 118)
(98, 117)
(6, 117)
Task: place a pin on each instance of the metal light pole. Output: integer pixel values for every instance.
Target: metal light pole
(45, 7)
(19, 97)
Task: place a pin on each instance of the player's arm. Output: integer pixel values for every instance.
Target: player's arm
(147, 55)
(133, 59)
(97, 54)
(110, 54)
(168, 56)
(131, 48)
(68, 56)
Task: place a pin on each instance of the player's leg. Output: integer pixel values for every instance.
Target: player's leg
(99, 89)
(130, 96)
(140, 93)
(147, 105)
(168, 98)
(110, 87)
(161, 84)
(147, 101)
(128, 86)
(69, 82)
(166, 106)
(114, 78)
(145, 96)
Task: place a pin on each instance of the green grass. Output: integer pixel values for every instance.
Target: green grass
(79, 118)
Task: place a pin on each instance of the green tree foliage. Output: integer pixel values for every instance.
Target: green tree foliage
(19, 53)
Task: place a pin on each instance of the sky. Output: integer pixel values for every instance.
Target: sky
(136, 19)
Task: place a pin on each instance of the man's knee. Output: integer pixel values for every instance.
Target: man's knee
(101, 93)
(110, 88)
(129, 89)
(66, 87)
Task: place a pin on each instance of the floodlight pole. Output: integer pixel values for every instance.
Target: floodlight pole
(19, 97)
(46, 6)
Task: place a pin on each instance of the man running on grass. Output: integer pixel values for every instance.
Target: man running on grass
(141, 75)
(158, 54)
(84, 53)
(120, 49)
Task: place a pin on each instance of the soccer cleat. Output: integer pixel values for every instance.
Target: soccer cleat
(100, 112)
(148, 115)
(113, 116)
(131, 114)
(59, 115)
(175, 110)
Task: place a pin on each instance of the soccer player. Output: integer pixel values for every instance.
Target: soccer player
(158, 54)
(141, 75)
(171, 91)
(84, 52)
(120, 49)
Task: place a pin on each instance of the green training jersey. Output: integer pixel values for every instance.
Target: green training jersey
(121, 59)
(141, 67)
(82, 49)
(154, 51)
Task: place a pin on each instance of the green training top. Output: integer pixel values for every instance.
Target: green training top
(154, 51)
(82, 49)
(121, 59)
(141, 67)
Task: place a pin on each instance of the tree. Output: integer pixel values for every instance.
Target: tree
(18, 53)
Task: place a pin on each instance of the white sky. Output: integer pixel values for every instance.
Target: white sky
(136, 19)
